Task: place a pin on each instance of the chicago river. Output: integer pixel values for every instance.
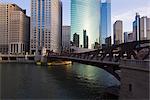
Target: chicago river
(74, 81)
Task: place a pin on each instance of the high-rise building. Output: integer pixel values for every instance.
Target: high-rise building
(105, 26)
(148, 28)
(66, 37)
(85, 14)
(85, 39)
(118, 31)
(144, 28)
(108, 41)
(46, 20)
(76, 40)
(126, 37)
(130, 37)
(14, 29)
(136, 28)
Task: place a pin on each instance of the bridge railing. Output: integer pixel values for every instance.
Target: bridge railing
(136, 64)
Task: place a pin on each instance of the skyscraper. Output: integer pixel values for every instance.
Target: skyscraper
(118, 31)
(85, 14)
(76, 40)
(105, 26)
(85, 39)
(144, 28)
(148, 28)
(136, 28)
(130, 37)
(126, 37)
(66, 37)
(46, 25)
(14, 29)
(108, 41)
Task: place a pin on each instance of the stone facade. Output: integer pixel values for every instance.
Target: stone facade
(134, 80)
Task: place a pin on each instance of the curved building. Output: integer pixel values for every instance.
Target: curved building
(85, 15)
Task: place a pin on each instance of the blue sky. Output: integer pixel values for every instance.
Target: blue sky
(121, 10)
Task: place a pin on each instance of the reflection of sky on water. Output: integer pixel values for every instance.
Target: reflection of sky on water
(94, 74)
(68, 82)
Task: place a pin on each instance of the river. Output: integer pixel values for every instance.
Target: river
(76, 81)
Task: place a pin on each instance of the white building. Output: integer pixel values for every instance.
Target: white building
(66, 31)
(144, 28)
(46, 22)
(118, 32)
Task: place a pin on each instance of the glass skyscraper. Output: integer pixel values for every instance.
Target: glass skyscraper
(85, 15)
(136, 28)
(105, 28)
(46, 22)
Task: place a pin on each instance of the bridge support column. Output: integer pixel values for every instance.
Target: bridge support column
(134, 80)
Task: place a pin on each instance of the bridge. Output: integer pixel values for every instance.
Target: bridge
(109, 58)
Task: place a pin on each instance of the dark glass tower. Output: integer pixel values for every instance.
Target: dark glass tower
(136, 28)
(76, 40)
(85, 39)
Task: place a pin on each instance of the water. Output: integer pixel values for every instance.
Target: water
(76, 81)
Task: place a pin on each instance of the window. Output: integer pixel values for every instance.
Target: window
(130, 87)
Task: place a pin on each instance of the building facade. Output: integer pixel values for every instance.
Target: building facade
(14, 29)
(141, 28)
(66, 31)
(108, 41)
(130, 37)
(19, 32)
(144, 28)
(126, 37)
(46, 23)
(118, 31)
(85, 39)
(76, 40)
(136, 28)
(85, 14)
(105, 26)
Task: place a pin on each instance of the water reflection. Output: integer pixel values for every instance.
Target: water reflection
(66, 82)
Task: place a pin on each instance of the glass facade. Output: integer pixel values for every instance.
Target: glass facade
(105, 28)
(136, 28)
(85, 15)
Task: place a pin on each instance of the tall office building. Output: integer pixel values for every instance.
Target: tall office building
(148, 28)
(66, 37)
(105, 26)
(118, 31)
(76, 40)
(14, 29)
(108, 41)
(126, 37)
(144, 28)
(130, 37)
(85, 39)
(85, 14)
(136, 28)
(46, 20)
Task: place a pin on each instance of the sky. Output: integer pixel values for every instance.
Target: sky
(121, 10)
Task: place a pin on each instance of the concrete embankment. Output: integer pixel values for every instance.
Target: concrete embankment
(17, 59)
